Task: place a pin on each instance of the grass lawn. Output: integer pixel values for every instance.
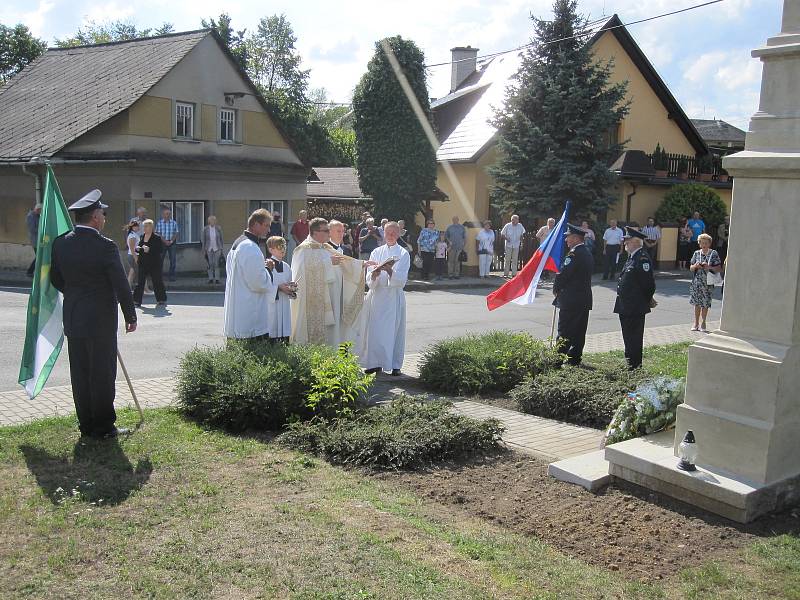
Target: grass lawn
(174, 511)
(669, 360)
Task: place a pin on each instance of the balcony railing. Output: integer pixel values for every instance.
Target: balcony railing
(674, 162)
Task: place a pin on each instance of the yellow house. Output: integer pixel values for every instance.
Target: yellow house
(163, 122)
(468, 140)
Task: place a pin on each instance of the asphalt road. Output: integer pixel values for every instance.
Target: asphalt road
(195, 318)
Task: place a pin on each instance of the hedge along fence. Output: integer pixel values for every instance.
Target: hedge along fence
(257, 385)
(490, 362)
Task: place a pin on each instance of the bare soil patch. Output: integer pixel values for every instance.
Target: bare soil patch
(642, 534)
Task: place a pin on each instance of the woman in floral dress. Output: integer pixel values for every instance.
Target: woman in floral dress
(703, 260)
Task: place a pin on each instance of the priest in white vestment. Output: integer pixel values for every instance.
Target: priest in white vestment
(313, 321)
(249, 287)
(383, 338)
(346, 291)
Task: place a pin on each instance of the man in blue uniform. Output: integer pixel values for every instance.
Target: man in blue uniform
(87, 269)
(573, 292)
(635, 290)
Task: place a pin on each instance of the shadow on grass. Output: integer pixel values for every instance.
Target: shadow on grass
(99, 472)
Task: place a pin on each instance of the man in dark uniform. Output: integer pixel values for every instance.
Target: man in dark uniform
(87, 269)
(573, 292)
(635, 290)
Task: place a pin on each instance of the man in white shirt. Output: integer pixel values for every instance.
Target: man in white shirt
(545, 229)
(612, 243)
(383, 340)
(512, 235)
(249, 289)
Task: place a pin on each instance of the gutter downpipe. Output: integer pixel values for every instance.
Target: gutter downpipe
(36, 177)
(628, 206)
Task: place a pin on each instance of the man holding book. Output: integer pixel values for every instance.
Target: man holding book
(381, 345)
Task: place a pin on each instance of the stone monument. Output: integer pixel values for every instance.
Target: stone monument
(743, 383)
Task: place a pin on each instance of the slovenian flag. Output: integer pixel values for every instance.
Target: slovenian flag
(522, 288)
(44, 331)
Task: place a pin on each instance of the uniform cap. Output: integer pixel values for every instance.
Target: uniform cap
(574, 229)
(90, 201)
(631, 232)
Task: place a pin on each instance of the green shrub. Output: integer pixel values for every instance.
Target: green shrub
(576, 394)
(682, 200)
(256, 385)
(409, 433)
(495, 361)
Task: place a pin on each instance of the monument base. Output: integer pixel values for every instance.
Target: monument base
(651, 463)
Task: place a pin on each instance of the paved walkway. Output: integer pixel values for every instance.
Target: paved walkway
(545, 438)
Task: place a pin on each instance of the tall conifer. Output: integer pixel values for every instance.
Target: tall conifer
(558, 123)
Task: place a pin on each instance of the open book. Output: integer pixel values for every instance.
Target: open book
(389, 262)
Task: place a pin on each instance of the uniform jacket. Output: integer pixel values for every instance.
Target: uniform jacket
(573, 285)
(636, 285)
(87, 269)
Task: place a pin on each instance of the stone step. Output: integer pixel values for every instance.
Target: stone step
(588, 470)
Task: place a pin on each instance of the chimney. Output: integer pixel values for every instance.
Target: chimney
(464, 63)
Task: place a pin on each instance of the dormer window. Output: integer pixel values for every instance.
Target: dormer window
(227, 125)
(184, 120)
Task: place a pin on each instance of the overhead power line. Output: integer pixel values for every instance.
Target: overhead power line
(583, 33)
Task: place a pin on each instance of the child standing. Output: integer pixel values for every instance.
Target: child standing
(440, 258)
(280, 312)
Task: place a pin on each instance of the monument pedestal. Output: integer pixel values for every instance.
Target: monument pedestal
(743, 382)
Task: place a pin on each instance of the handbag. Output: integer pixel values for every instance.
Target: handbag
(462, 256)
(221, 261)
(714, 278)
(418, 261)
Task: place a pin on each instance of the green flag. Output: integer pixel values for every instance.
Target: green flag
(44, 332)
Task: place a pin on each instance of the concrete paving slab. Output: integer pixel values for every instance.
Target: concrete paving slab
(588, 470)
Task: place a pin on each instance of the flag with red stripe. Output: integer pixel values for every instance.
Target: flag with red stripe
(521, 289)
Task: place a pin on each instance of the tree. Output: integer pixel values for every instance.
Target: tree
(270, 59)
(115, 31)
(396, 163)
(274, 64)
(343, 142)
(555, 128)
(233, 40)
(18, 47)
(683, 199)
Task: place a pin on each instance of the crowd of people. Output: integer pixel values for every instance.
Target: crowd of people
(319, 298)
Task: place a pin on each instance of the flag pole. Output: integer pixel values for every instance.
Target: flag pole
(130, 387)
(553, 327)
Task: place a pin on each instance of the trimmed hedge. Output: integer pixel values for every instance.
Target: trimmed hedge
(495, 361)
(256, 385)
(408, 434)
(576, 394)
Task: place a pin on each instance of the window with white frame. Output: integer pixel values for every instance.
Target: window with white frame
(227, 125)
(184, 120)
(190, 217)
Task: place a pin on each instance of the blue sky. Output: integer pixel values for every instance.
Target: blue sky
(703, 55)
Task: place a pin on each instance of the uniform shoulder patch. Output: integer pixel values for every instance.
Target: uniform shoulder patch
(646, 267)
(567, 260)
